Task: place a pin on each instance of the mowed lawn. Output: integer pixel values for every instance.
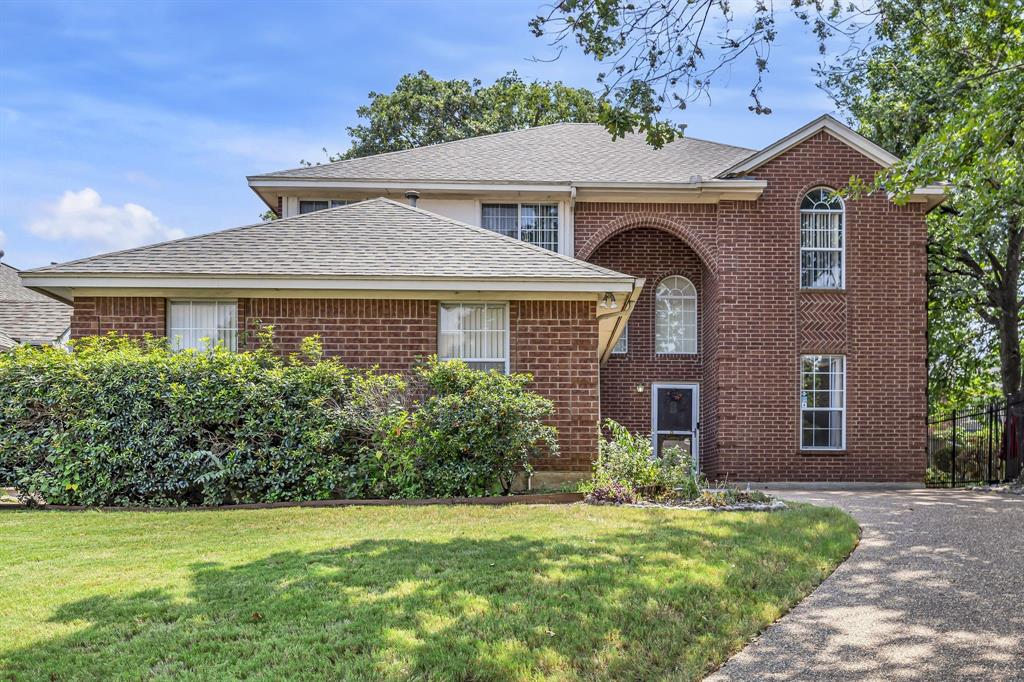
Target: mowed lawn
(397, 593)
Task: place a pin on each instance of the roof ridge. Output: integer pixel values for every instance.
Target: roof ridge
(412, 149)
(513, 240)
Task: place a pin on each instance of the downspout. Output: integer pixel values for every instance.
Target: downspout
(571, 223)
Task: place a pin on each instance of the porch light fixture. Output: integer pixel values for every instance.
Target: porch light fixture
(609, 302)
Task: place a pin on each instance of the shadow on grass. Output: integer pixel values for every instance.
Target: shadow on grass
(667, 599)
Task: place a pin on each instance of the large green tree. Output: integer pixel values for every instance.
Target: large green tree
(423, 110)
(942, 85)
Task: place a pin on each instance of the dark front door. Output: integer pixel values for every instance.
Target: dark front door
(674, 419)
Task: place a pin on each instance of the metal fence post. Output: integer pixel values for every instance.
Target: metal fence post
(952, 458)
(991, 425)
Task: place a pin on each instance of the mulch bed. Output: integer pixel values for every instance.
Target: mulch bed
(540, 498)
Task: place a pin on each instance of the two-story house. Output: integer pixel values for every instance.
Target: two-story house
(723, 299)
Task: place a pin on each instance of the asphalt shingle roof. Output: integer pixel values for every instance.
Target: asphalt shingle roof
(379, 238)
(26, 315)
(557, 153)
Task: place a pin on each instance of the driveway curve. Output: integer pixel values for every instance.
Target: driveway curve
(934, 591)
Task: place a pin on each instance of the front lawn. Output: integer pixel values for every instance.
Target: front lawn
(395, 593)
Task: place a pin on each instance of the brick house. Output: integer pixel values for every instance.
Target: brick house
(723, 299)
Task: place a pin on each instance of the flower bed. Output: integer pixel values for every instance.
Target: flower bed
(627, 473)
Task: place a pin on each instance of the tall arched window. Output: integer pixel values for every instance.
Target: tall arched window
(675, 316)
(822, 240)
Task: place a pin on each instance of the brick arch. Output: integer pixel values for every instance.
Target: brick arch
(631, 221)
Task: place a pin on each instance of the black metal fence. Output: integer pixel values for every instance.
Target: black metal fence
(973, 446)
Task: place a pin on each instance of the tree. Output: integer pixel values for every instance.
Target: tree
(663, 55)
(423, 110)
(943, 85)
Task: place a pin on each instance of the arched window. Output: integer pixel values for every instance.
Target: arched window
(822, 240)
(675, 316)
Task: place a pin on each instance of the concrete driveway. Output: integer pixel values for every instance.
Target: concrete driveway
(934, 591)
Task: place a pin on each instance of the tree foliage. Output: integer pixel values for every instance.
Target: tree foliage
(942, 85)
(423, 110)
(658, 56)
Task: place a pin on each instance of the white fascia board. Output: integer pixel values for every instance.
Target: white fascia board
(710, 183)
(930, 195)
(577, 285)
(402, 185)
(829, 125)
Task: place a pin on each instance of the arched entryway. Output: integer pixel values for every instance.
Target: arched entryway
(652, 372)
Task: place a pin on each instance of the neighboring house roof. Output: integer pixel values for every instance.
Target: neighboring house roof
(6, 342)
(27, 316)
(376, 240)
(560, 153)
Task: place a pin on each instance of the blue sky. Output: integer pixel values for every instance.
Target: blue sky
(127, 123)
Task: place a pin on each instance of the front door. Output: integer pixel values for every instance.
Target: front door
(674, 420)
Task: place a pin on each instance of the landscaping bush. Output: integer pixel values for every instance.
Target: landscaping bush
(626, 467)
(119, 422)
(473, 432)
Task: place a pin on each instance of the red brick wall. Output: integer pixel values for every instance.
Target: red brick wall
(878, 322)
(134, 316)
(557, 342)
(654, 255)
(554, 340)
(361, 332)
(757, 322)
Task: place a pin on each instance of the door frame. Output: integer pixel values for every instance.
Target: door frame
(695, 420)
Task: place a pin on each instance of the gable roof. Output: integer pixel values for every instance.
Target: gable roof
(560, 153)
(378, 239)
(28, 316)
(825, 122)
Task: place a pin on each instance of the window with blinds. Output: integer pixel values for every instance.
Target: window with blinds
(476, 333)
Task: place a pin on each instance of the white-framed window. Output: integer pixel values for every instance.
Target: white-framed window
(310, 205)
(477, 333)
(823, 402)
(621, 346)
(822, 240)
(675, 316)
(202, 324)
(533, 223)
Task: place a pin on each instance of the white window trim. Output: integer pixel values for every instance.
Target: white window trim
(695, 418)
(172, 301)
(624, 338)
(842, 239)
(299, 200)
(508, 331)
(519, 219)
(696, 318)
(800, 420)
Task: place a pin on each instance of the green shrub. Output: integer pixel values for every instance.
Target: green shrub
(936, 478)
(472, 432)
(626, 461)
(118, 422)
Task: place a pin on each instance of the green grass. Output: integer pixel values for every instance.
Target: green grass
(395, 593)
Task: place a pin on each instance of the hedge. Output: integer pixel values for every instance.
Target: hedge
(122, 422)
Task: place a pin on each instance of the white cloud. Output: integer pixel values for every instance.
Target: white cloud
(3, 238)
(83, 216)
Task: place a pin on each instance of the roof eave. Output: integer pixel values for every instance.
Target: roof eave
(823, 123)
(59, 285)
